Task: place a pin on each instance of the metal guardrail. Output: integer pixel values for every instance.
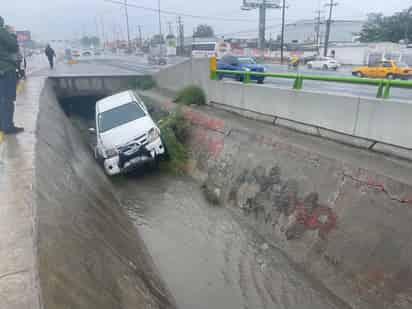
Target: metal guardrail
(384, 85)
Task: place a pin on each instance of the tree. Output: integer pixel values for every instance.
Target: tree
(393, 28)
(204, 31)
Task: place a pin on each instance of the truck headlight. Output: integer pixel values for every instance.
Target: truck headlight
(153, 135)
(111, 152)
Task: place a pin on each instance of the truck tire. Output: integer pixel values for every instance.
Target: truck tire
(391, 76)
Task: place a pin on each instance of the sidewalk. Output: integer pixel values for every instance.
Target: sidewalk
(18, 278)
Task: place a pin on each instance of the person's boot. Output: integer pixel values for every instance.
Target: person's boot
(13, 130)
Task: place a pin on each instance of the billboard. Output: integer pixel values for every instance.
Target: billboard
(23, 36)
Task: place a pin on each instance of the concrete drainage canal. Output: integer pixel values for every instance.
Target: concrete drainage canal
(203, 256)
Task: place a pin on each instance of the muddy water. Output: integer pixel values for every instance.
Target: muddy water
(206, 257)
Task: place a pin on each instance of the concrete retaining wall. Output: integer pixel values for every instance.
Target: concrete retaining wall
(89, 254)
(91, 85)
(375, 120)
(341, 213)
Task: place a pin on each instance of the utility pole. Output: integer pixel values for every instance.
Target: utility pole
(103, 32)
(317, 29)
(127, 23)
(181, 36)
(140, 36)
(331, 5)
(160, 27)
(262, 5)
(282, 36)
(169, 23)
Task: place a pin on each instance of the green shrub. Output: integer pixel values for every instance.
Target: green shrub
(191, 95)
(145, 82)
(174, 130)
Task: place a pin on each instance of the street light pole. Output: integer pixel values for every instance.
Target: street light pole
(262, 6)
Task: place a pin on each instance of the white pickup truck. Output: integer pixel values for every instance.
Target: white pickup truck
(127, 136)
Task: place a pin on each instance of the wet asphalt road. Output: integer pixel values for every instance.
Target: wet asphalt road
(207, 258)
(140, 64)
(336, 88)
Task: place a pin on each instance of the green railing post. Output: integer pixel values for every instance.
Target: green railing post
(380, 90)
(387, 91)
(298, 83)
(213, 75)
(246, 79)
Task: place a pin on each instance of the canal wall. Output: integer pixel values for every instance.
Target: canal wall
(89, 254)
(342, 213)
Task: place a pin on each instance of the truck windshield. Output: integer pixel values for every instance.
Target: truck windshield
(119, 116)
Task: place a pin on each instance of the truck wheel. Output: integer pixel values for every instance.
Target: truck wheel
(390, 76)
(357, 74)
(325, 67)
(309, 66)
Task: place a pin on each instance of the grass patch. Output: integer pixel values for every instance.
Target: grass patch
(191, 95)
(145, 82)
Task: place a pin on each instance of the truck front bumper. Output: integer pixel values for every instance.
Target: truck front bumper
(122, 164)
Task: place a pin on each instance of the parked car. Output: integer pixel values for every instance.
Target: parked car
(127, 136)
(384, 69)
(157, 60)
(323, 63)
(233, 63)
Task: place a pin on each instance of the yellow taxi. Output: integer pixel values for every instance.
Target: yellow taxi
(389, 69)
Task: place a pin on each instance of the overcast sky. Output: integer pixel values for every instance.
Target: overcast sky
(67, 19)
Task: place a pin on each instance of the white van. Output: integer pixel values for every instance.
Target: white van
(127, 136)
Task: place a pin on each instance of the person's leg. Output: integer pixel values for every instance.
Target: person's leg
(2, 103)
(7, 123)
(51, 62)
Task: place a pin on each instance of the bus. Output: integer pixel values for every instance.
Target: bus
(208, 48)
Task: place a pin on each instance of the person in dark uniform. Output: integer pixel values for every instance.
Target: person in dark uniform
(50, 55)
(8, 79)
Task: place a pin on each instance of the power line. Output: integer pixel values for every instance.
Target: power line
(167, 12)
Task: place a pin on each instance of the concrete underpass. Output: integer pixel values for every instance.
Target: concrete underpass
(74, 238)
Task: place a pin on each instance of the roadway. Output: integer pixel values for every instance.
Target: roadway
(339, 88)
(114, 64)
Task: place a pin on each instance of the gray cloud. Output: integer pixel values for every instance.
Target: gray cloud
(55, 19)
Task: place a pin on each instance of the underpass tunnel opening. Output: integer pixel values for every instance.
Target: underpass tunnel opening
(83, 107)
(81, 112)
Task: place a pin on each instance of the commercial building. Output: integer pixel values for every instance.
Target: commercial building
(305, 31)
